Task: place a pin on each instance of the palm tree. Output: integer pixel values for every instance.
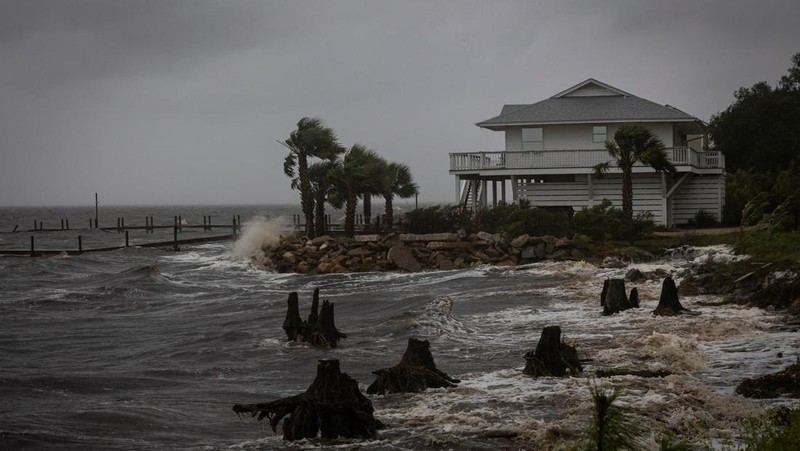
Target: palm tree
(397, 181)
(634, 144)
(312, 139)
(373, 187)
(321, 175)
(359, 166)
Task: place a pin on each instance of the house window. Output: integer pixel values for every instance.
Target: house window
(599, 133)
(532, 139)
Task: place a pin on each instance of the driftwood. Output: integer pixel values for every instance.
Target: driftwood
(668, 303)
(319, 329)
(552, 357)
(332, 407)
(415, 372)
(613, 298)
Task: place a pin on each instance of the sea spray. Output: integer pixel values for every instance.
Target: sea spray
(259, 232)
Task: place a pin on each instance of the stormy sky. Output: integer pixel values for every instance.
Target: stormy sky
(180, 102)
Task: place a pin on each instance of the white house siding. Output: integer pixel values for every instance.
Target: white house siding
(647, 193)
(579, 136)
(514, 138)
(700, 192)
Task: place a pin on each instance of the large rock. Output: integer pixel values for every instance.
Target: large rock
(403, 257)
(520, 241)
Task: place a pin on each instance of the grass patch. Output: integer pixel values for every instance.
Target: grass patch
(770, 247)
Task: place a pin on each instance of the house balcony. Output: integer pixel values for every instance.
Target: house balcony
(685, 159)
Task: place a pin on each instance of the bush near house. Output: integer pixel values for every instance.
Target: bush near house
(600, 222)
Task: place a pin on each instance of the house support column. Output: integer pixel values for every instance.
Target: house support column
(514, 193)
(458, 189)
(494, 193)
(503, 191)
(484, 183)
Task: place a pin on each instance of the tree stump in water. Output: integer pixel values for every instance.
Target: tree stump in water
(552, 357)
(613, 297)
(633, 299)
(333, 406)
(318, 330)
(415, 372)
(668, 303)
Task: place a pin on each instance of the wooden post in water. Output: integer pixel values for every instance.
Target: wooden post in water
(239, 223)
(62, 223)
(67, 221)
(80, 242)
(175, 237)
(123, 223)
(33, 254)
(34, 225)
(127, 242)
(90, 223)
(180, 223)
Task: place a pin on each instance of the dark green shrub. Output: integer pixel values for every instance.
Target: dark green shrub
(519, 219)
(781, 431)
(603, 221)
(437, 219)
(704, 220)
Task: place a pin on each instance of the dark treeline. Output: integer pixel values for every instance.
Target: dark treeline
(759, 134)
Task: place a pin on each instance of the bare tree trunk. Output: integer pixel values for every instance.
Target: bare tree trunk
(319, 206)
(389, 210)
(332, 407)
(613, 298)
(306, 198)
(668, 303)
(367, 207)
(415, 372)
(627, 192)
(350, 214)
(552, 357)
(319, 329)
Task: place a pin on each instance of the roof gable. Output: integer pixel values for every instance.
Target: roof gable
(590, 101)
(590, 88)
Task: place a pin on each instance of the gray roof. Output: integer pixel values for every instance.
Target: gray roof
(565, 109)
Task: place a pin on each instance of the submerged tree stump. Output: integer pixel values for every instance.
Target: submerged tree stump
(668, 303)
(633, 299)
(415, 372)
(318, 330)
(613, 297)
(332, 407)
(552, 357)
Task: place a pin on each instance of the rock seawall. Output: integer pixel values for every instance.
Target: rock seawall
(414, 252)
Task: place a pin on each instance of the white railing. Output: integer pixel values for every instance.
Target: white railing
(579, 158)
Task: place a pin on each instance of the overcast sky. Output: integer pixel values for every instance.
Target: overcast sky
(180, 102)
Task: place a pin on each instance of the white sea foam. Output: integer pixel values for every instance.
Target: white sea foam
(258, 233)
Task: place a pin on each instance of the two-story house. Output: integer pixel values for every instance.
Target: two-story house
(552, 146)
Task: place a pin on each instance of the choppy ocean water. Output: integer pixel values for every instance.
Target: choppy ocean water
(147, 348)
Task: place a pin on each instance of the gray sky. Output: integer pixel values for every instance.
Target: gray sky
(174, 102)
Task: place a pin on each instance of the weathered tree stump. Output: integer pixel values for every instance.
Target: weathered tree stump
(415, 372)
(633, 299)
(613, 297)
(318, 330)
(332, 407)
(552, 357)
(668, 303)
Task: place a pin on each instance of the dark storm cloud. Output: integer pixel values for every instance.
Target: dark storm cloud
(182, 101)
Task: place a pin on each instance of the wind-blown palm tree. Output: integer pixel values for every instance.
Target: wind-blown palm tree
(312, 139)
(634, 144)
(373, 187)
(397, 181)
(321, 175)
(359, 166)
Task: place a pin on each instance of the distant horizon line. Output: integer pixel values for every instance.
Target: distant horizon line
(192, 204)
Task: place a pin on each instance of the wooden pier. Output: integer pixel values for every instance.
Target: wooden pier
(177, 226)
